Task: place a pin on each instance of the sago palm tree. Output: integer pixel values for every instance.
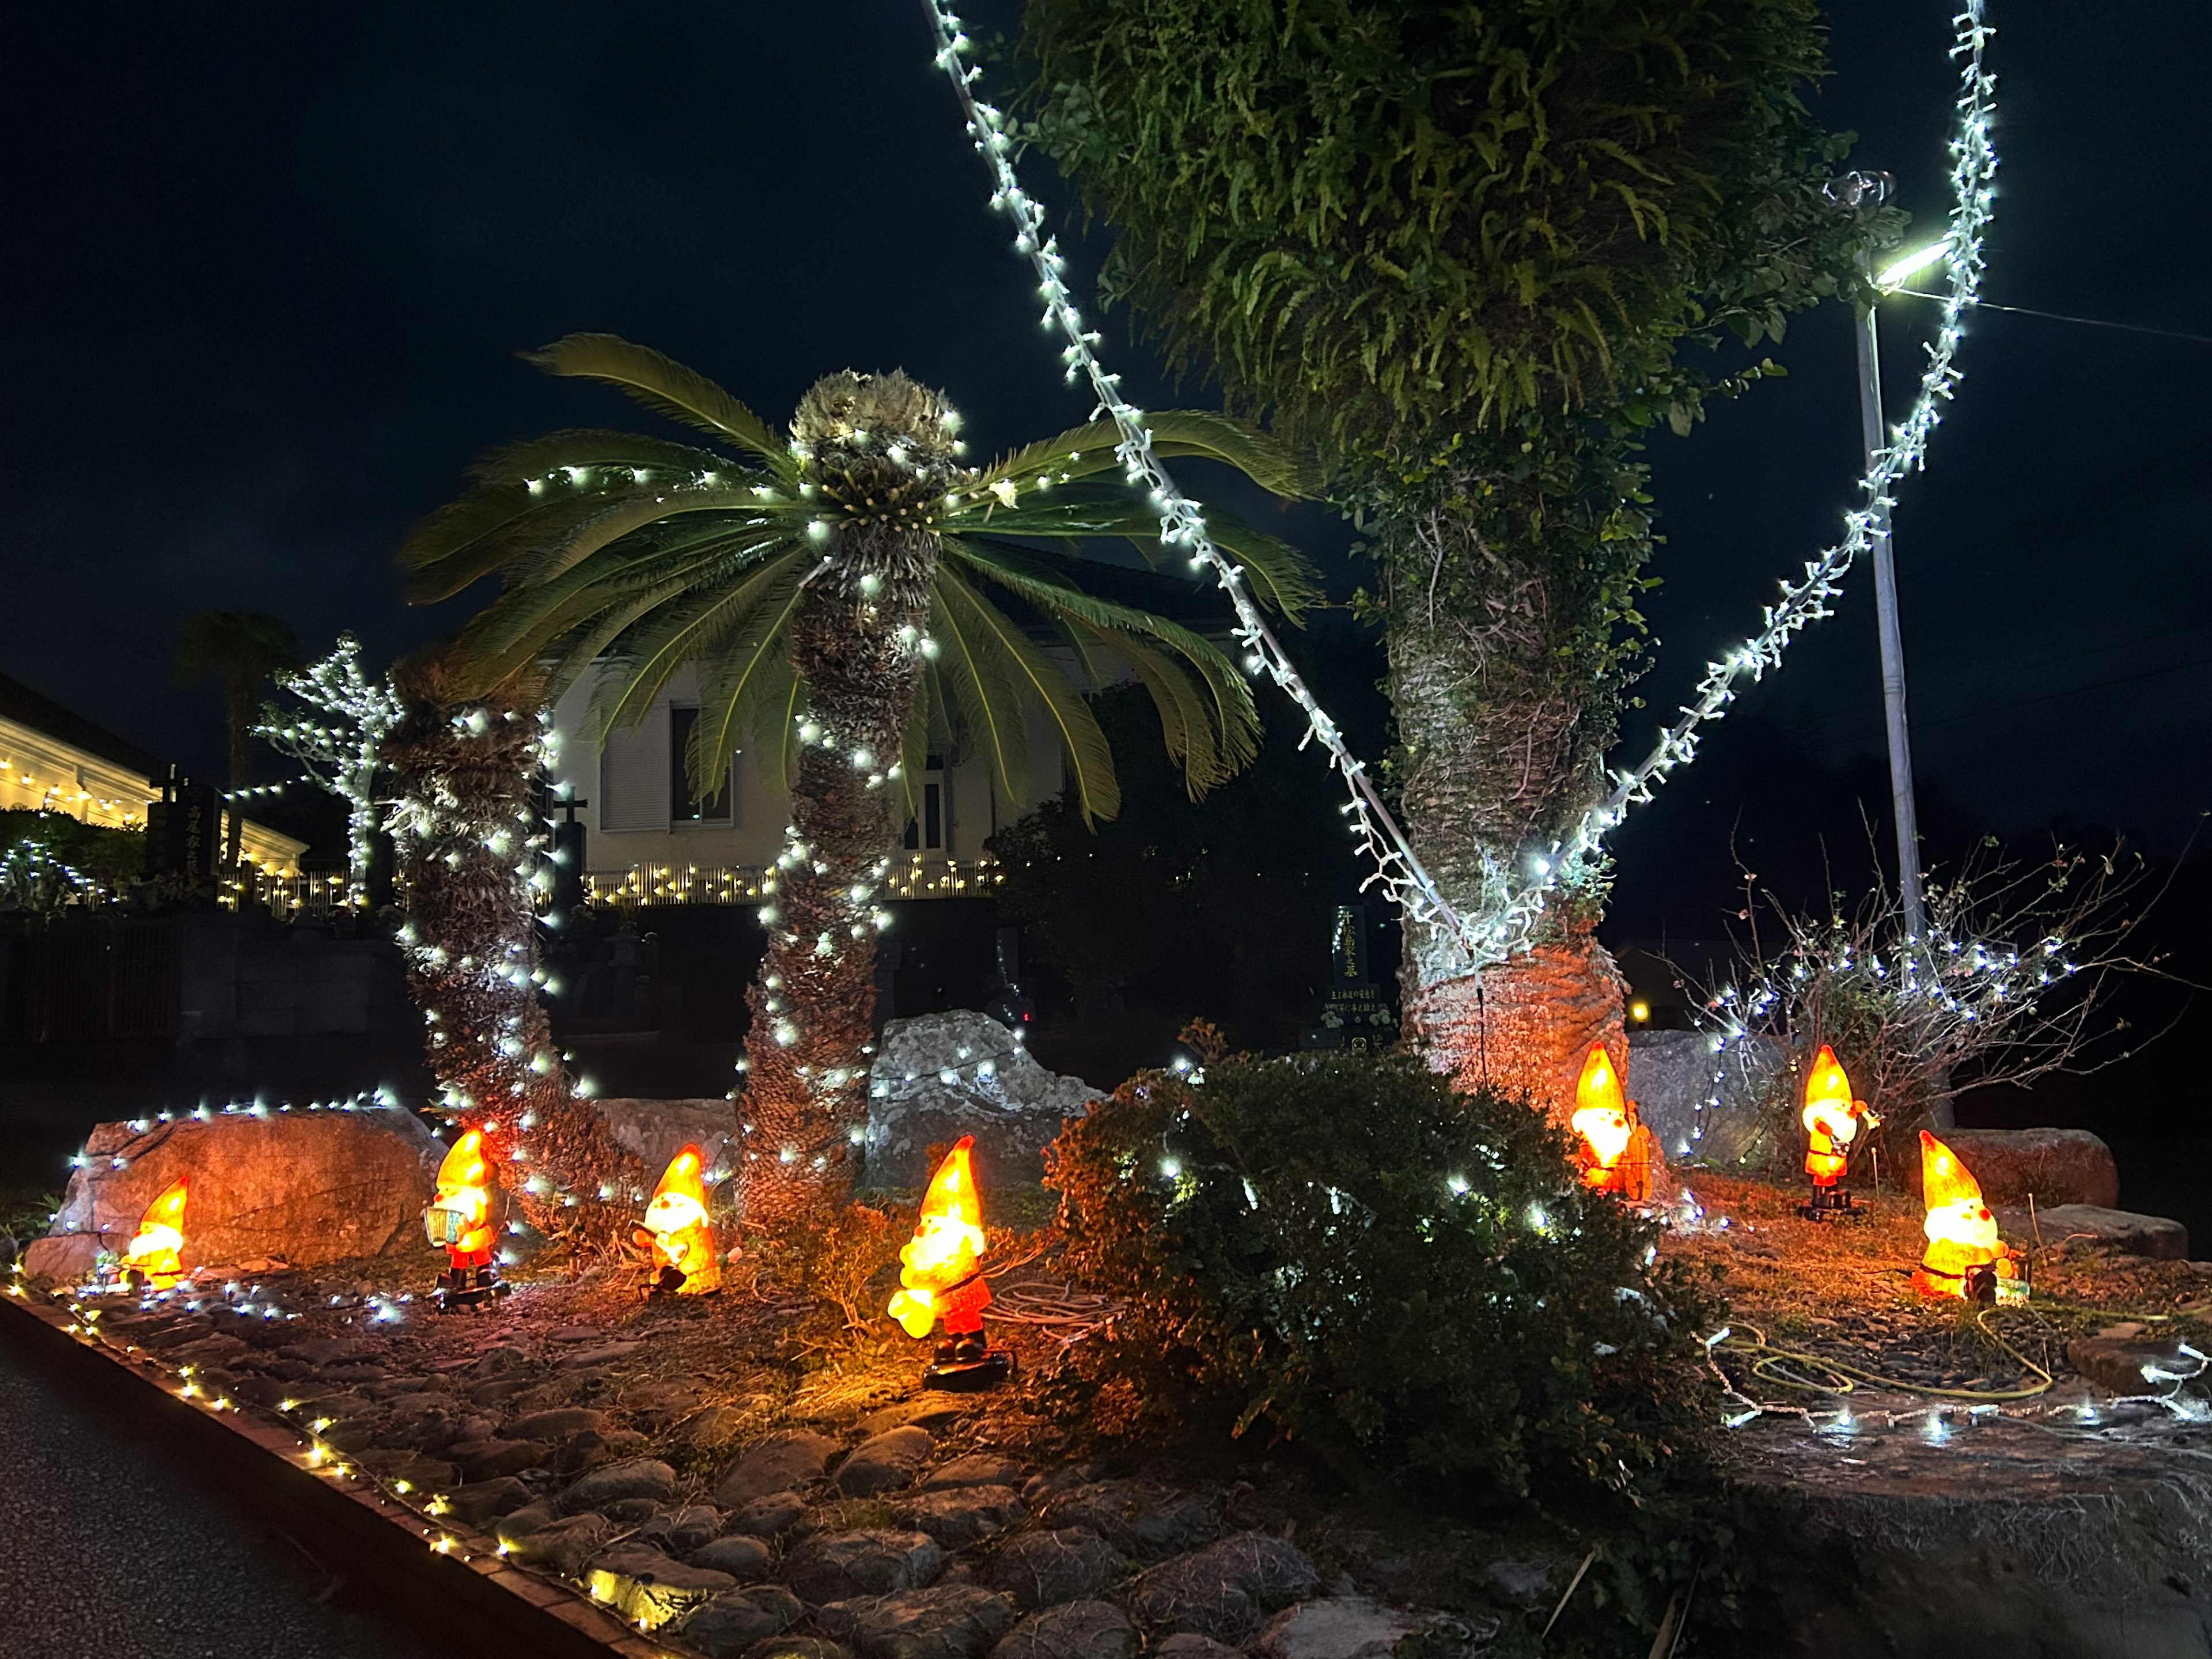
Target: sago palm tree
(843, 590)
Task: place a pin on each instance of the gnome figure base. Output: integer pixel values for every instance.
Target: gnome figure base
(967, 1363)
(460, 1287)
(1832, 1204)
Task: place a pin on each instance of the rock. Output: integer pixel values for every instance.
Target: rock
(797, 1646)
(310, 1188)
(1040, 1569)
(529, 1518)
(961, 1516)
(1522, 1582)
(564, 1546)
(216, 1350)
(1137, 1517)
(2114, 1229)
(1671, 1077)
(783, 1462)
(1074, 1630)
(838, 1566)
(957, 1621)
(554, 1426)
(68, 1258)
(765, 1518)
(743, 1558)
(583, 1358)
(1353, 1627)
(494, 1362)
(640, 1477)
(2057, 1167)
(1222, 1589)
(942, 1075)
(931, 1411)
(710, 1430)
(1189, 1644)
(885, 1462)
(2125, 1361)
(733, 1621)
(638, 1512)
(979, 1470)
(682, 1531)
(655, 1131)
(647, 1589)
(487, 1460)
(480, 1500)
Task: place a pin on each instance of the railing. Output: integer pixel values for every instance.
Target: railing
(691, 883)
(320, 893)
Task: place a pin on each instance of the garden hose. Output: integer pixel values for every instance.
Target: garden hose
(1771, 1364)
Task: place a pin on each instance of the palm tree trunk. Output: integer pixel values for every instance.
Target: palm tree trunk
(1501, 731)
(238, 696)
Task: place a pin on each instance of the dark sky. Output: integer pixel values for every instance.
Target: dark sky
(268, 267)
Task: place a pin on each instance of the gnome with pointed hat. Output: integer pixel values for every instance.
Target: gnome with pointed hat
(459, 1218)
(1965, 1257)
(153, 1258)
(1618, 1153)
(941, 1278)
(676, 1245)
(1832, 1120)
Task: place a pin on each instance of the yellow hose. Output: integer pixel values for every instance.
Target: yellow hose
(1763, 1355)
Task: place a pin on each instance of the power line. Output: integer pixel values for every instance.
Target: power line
(2024, 703)
(2061, 317)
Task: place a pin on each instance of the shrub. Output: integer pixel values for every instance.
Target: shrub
(1405, 1279)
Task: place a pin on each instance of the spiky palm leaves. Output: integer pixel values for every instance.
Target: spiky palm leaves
(846, 592)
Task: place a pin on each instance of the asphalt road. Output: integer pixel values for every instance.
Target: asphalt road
(110, 1548)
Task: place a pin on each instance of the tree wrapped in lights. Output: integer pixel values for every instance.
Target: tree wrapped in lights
(469, 844)
(342, 755)
(844, 588)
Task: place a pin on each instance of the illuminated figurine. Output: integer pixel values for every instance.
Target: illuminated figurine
(459, 1218)
(1619, 1154)
(676, 1245)
(941, 1278)
(1832, 1120)
(152, 1260)
(1964, 1257)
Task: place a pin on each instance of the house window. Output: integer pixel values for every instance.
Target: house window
(682, 808)
(926, 833)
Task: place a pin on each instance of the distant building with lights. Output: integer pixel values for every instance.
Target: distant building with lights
(52, 760)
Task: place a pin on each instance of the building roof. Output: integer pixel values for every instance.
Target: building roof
(20, 704)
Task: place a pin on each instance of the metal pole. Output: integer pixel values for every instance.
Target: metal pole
(1893, 645)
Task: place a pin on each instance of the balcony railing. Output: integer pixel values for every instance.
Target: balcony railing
(695, 884)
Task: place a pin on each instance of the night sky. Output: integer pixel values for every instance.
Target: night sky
(269, 267)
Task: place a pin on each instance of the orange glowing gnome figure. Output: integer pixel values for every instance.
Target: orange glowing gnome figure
(941, 1268)
(1832, 1120)
(1964, 1256)
(153, 1254)
(459, 1218)
(1618, 1153)
(677, 1240)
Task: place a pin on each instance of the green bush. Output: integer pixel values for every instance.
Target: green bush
(1407, 1280)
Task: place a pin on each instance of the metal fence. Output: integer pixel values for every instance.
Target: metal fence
(695, 884)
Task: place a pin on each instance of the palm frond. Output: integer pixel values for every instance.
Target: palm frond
(683, 633)
(589, 450)
(665, 386)
(742, 674)
(1087, 451)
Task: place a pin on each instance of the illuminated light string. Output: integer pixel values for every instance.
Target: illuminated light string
(1515, 898)
(342, 757)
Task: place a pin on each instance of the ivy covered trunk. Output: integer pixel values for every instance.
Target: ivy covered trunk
(469, 841)
(876, 447)
(1509, 569)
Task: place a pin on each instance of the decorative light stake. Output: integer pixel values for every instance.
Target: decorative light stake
(1618, 1153)
(459, 1218)
(1832, 1120)
(1964, 1256)
(152, 1258)
(677, 1241)
(941, 1278)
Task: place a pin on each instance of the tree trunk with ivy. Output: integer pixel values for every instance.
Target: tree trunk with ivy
(1508, 578)
(876, 447)
(469, 843)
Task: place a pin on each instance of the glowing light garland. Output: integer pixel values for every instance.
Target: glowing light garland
(1513, 904)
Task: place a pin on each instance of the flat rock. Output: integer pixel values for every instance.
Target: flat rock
(781, 1463)
(67, 1258)
(979, 1469)
(588, 1357)
(1697, 1116)
(839, 1566)
(528, 1519)
(480, 1500)
(638, 1512)
(1040, 1569)
(681, 1531)
(2055, 1167)
(766, 1517)
(2114, 1229)
(1137, 1517)
(637, 1477)
(2128, 1361)
(1353, 1627)
(931, 1411)
(1074, 1630)
(732, 1622)
(885, 1462)
(487, 1460)
(1223, 1590)
(647, 1589)
(1189, 1644)
(955, 1621)
(743, 1558)
(572, 1333)
(938, 1077)
(961, 1516)
(556, 1426)
(564, 1546)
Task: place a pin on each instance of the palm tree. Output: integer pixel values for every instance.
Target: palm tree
(844, 588)
(242, 648)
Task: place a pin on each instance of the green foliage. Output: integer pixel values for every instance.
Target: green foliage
(1407, 1279)
(1380, 223)
(49, 859)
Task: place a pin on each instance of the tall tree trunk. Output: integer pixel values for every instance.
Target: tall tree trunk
(877, 445)
(239, 691)
(467, 838)
(1506, 571)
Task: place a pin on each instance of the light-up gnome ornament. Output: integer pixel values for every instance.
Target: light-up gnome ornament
(1832, 1120)
(676, 1244)
(459, 1217)
(152, 1258)
(1618, 1153)
(1965, 1257)
(941, 1278)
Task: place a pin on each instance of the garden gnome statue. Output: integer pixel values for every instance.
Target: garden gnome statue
(459, 1218)
(677, 1243)
(1964, 1256)
(941, 1278)
(1618, 1153)
(152, 1258)
(1832, 1120)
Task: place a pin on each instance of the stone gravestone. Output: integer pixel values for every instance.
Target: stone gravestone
(1355, 1015)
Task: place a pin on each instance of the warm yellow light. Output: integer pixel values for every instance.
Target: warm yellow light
(1639, 1012)
(1896, 275)
(947, 1246)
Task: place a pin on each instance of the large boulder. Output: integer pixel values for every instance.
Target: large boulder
(2093, 1225)
(1702, 1101)
(655, 1131)
(2053, 1166)
(939, 1077)
(304, 1188)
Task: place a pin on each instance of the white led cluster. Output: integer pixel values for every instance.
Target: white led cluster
(342, 756)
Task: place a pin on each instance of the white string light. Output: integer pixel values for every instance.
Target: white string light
(343, 757)
(1515, 898)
